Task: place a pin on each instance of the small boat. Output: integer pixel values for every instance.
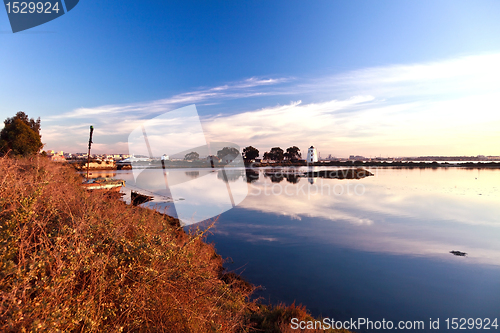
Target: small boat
(101, 183)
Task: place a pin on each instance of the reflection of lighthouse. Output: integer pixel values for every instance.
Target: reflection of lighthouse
(312, 156)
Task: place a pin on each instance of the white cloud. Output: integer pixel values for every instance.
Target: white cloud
(281, 125)
(448, 107)
(139, 110)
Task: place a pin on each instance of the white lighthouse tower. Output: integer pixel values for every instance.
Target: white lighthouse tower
(312, 155)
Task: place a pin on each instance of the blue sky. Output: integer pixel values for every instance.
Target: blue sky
(351, 77)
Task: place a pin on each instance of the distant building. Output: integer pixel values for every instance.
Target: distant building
(57, 158)
(133, 159)
(357, 158)
(312, 155)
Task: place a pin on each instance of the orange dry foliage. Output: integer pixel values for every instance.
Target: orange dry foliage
(278, 318)
(73, 260)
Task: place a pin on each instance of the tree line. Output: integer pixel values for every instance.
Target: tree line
(251, 153)
(21, 136)
(221, 154)
(275, 154)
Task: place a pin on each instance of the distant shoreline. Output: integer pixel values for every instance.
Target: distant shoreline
(353, 164)
(386, 164)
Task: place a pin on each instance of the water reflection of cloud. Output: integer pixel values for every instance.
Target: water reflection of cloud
(304, 200)
(411, 212)
(402, 211)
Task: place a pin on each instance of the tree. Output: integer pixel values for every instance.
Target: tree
(250, 153)
(276, 154)
(227, 151)
(293, 153)
(192, 156)
(21, 135)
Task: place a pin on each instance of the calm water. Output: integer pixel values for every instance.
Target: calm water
(375, 248)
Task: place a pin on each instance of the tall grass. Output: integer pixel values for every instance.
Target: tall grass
(79, 261)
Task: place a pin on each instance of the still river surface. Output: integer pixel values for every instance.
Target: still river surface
(377, 248)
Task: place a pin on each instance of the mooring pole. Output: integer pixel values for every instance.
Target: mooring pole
(88, 155)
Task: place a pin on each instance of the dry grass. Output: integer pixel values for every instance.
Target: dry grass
(77, 261)
(277, 319)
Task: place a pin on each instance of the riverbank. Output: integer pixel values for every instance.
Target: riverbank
(78, 260)
(363, 164)
(80, 166)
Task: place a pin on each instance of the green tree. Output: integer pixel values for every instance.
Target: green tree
(192, 156)
(250, 153)
(293, 153)
(21, 135)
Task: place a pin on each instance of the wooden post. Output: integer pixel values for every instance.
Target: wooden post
(88, 155)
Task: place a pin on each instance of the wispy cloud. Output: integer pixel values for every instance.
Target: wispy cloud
(282, 125)
(242, 89)
(445, 107)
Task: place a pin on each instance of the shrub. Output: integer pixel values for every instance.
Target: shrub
(20, 136)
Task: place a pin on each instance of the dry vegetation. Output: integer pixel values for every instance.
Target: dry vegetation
(79, 261)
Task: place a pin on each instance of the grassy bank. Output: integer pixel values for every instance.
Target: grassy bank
(78, 261)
